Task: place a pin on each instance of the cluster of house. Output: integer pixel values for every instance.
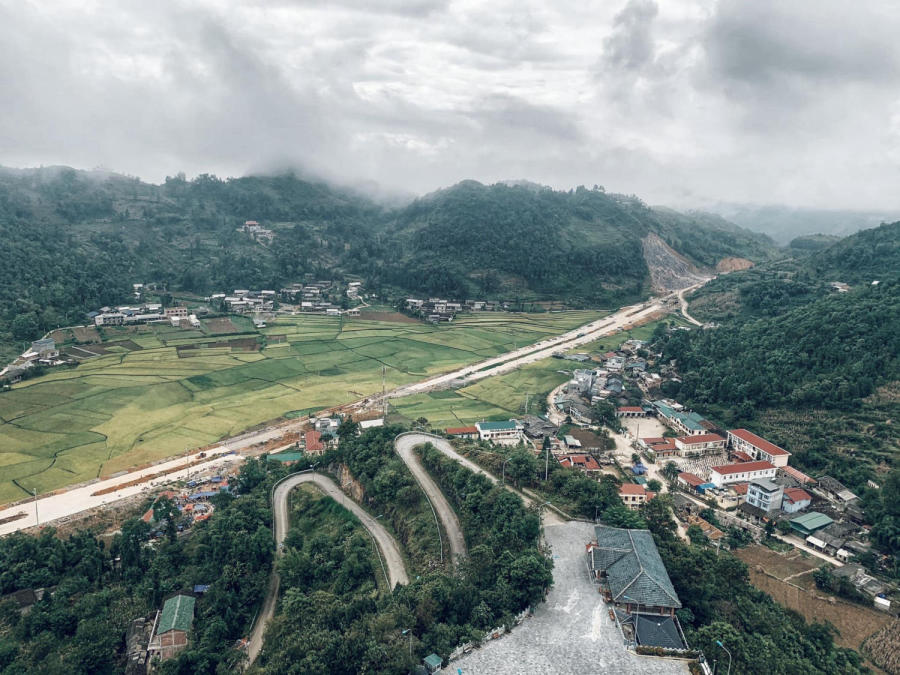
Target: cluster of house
(510, 432)
(603, 382)
(146, 313)
(257, 232)
(43, 352)
(245, 301)
(634, 582)
(437, 310)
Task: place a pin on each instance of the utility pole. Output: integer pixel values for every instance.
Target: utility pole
(546, 462)
(383, 397)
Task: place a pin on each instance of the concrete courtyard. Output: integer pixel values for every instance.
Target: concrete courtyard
(569, 633)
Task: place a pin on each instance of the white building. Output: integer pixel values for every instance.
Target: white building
(740, 473)
(501, 433)
(757, 447)
(765, 494)
(699, 445)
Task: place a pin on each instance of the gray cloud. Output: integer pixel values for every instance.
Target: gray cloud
(679, 102)
(630, 45)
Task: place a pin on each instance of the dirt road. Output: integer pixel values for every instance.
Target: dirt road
(387, 545)
(684, 305)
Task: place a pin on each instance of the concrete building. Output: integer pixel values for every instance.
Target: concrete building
(739, 473)
(765, 494)
(795, 500)
(634, 496)
(501, 433)
(463, 432)
(697, 445)
(169, 312)
(757, 447)
(174, 625)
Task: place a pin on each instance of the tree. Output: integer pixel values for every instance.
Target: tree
(770, 528)
(522, 466)
(696, 535)
(654, 485)
(784, 526)
(670, 471)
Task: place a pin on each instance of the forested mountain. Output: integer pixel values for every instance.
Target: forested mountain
(809, 367)
(75, 240)
(778, 286)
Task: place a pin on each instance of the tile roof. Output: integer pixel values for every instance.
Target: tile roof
(313, 442)
(796, 474)
(632, 489)
(657, 631)
(630, 408)
(460, 431)
(739, 488)
(742, 467)
(580, 461)
(690, 478)
(177, 614)
(758, 442)
(797, 495)
(634, 571)
(741, 456)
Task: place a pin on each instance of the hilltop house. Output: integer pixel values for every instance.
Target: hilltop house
(501, 433)
(173, 627)
(630, 572)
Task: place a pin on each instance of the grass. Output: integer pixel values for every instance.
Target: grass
(124, 409)
(504, 396)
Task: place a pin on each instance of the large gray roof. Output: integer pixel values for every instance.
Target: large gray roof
(635, 572)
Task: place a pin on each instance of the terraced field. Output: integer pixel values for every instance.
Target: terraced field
(158, 391)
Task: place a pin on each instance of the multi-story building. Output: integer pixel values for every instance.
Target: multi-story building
(634, 496)
(740, 473)
(501, 433)
(765, 494)
(757, 447)
(698, 445)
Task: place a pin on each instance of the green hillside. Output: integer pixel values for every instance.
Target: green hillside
(76, 240)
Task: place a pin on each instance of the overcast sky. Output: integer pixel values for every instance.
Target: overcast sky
(681, 102)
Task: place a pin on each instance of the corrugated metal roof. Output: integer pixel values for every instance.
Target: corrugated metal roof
(496, 426)
(177, 614)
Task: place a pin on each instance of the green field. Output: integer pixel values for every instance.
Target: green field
(169, 390)
(504, 396)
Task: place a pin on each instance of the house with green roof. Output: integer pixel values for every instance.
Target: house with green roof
(630, 571)
(172, 627)
(809, 523)
(501, 433)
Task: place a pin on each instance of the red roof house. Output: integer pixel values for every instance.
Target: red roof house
(314, 442)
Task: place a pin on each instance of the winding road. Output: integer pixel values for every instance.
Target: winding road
(405, 445)
(684, 304)
(388, 549)
(411, 440)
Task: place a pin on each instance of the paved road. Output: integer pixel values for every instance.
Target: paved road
(442, 445)
(387, 545)
(569, 633)
(540, 350)
(79, 500)
(405, 445)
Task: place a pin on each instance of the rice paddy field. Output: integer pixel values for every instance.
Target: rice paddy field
(149, 392)
(505, 396)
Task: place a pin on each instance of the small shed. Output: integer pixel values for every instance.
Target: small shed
(433, 663)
